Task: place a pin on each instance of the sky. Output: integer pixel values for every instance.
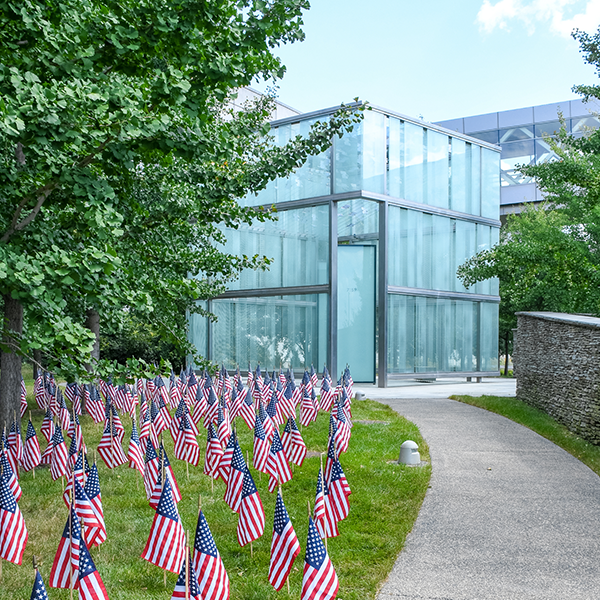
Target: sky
(438, 59)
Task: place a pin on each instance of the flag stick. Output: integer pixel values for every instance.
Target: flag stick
(71, 546)
(323, 484)
(187, 469)
(32, 470)
(110, 424)
(187, 567)
(251, 550)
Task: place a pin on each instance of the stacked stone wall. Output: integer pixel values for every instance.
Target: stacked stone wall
(557, 366)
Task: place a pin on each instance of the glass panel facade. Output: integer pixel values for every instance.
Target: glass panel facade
(298, 243)
(513, 154)
(437, 168)
(290, 331)
(429, 335)
(384, 155)
(424, 250)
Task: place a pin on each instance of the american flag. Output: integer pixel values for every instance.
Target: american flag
(267, 422)
(93, 404)
(186, 587)
(293, 443)
(313, 376)
(251, 524)
(261, 447)
(247, 411)
(192, 389)
(31, 452)
(186, 444)
(342, 436)
(91, 586)
(170, 474)
(348, 382)
(274, 414)
(63, 412)
(236, 402)
(47, 427)
(346, 403)
(339, 490)
(60, 455)
(320, 581)
(134, 452)
(165, 547)
(23, 397)
(110, 449)
(225, 462)
(13, 533)
(308, 411)
(9, 476)
(284, 547)
(213, 581)
(95, 536)
(151, 468)
(174, 391)
(331, 453)
(15, 443)
(212, 407)
(235, 479)
(223, 424)
(214, 453)
(327, 395)
(84, 508)
(319, 509)
(39, 391)
(306, 385)
(277, 464)
(199, 406)
(66, 560)
(328, 527)
(39, 589)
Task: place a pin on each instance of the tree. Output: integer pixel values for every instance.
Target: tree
(548, 256)
(96, 99)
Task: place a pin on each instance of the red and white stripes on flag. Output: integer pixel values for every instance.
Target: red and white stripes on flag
(293, 443)
(186, 587)
(320, 581)
(214, 453)
(262, 446)
(90, 583)
(186, 444)
(134, 452)
(277, 464)
(9, 477)
(110, 449)
(213, 581)
(13, 533)
(165, 547)
(284, 546)
(60, 455)
(251, 524)
(66, 560)
(95, 536)
(235, 478)
(31, 451)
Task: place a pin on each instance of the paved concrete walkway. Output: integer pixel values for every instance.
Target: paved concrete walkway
(509, 515)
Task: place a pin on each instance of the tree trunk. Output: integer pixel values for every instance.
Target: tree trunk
(92, 322)
(10, 362)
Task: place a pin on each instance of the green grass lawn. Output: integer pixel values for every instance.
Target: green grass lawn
(541, 423)
(386, 498)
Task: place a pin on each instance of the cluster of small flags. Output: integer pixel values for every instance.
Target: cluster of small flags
(264, 404)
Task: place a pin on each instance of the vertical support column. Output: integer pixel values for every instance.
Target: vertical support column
(382, 296)
(333, 290)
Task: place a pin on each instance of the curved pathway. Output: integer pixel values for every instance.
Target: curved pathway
(509, 515)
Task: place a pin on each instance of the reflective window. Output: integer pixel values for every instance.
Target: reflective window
(580, 125)
(413, 162)
(396, 159)
(543, 152)
(298, 243)
(513, 134)
(513, 154)
(550, 128)
(374, 152)
(491, 137)
(358, 219)
(432, 335)
(348, 161)
(437, 168)
(460, 175)
(490, 184)
(489, 337)
(287, 331)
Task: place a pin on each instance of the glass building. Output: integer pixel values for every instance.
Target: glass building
(365, 250)
(523, 134)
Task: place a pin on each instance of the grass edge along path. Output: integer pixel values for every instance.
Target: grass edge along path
(385, 501)
(540, 422)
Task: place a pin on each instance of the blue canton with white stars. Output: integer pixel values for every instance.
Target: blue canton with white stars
(248, 488)
(39, 589)
(92, 484)
(7, 498)
(204, 541)
(166, 506)
(86, 564)
(315, 550)
(281, 516)
(237, 462)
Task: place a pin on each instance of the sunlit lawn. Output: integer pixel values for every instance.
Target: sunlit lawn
(385, 501)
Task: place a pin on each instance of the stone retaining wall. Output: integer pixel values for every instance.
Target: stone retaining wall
(557, 366)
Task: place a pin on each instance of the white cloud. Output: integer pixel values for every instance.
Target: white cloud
(562, 16)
